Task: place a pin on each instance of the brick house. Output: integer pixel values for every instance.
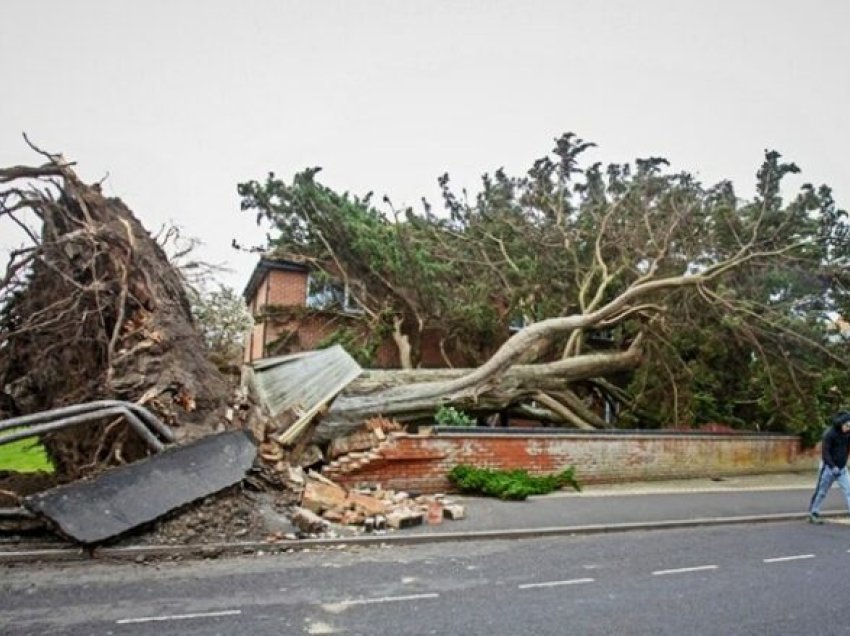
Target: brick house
(272, 283)
(296, 311)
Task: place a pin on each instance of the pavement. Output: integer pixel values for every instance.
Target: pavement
(647, 505)
(596, 509)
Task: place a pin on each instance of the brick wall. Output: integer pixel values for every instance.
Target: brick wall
(420, 464)
(254, 345)
(283, 288)
(277, 287)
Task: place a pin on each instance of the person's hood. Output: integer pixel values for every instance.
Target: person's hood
(841, 417)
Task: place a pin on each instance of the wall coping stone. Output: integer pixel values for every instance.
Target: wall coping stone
(481, 431)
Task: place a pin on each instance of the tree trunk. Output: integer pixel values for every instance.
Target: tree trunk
(409, 394)
(402, 342)
(495, 384)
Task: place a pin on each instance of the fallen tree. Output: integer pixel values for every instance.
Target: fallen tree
(715, 307)
(547, 383)
(498, 383)
(91, 308)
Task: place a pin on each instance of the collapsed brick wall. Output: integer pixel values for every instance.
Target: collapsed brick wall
(420, 464)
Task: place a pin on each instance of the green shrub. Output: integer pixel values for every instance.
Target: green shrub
(450, 416)
(515, 485)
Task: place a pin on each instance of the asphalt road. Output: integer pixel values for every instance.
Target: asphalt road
(782, 578)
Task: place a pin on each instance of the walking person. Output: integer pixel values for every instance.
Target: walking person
(833, 465)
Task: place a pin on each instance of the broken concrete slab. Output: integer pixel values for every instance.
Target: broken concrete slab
(123, 498)
(455, 512)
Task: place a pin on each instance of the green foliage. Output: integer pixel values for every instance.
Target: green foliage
(747, 350)
(223, 321)
(450, 416)
(25, 456)
(509, 484)
(812, 434)
(283, 343)
(361, 348)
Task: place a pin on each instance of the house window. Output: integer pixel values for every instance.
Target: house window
(330, 295)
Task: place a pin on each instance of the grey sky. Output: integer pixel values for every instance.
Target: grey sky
(179, 101)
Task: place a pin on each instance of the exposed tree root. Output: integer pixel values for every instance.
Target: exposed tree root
(92, 309)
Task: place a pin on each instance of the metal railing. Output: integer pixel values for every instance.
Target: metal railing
(141, 420)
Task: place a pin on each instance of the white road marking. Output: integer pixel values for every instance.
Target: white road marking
(319, 628)
(697, 568)
(386, 599)
(528, 586)
(178, 617)
(796, 557)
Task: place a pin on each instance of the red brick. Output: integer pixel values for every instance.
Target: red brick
(596, 458)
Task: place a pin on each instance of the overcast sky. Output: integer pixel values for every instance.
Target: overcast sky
(180, 101)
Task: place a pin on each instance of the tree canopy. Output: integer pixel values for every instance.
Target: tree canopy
(727, 305)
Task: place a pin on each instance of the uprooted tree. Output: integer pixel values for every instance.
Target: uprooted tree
(715, 307)
(91, 308)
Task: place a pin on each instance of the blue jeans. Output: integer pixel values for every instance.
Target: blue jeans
(825, 479)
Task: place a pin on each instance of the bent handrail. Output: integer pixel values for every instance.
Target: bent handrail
(141, 420)
(143, 413)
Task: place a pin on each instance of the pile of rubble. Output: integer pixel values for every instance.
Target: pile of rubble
(324, 503)
(288, 487)
(348, 451)
(226, 516)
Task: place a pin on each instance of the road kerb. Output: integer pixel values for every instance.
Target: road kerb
(214, 550)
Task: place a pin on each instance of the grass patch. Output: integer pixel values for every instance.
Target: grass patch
(25, 456)
(515, 485)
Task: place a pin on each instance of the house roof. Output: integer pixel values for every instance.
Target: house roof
(266, 265)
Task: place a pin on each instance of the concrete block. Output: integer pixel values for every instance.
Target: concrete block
(454, 512)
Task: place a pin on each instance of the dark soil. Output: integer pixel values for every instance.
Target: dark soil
(14, 486)
(231, 515)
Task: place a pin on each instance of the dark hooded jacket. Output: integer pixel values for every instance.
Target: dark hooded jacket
(835, 444)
